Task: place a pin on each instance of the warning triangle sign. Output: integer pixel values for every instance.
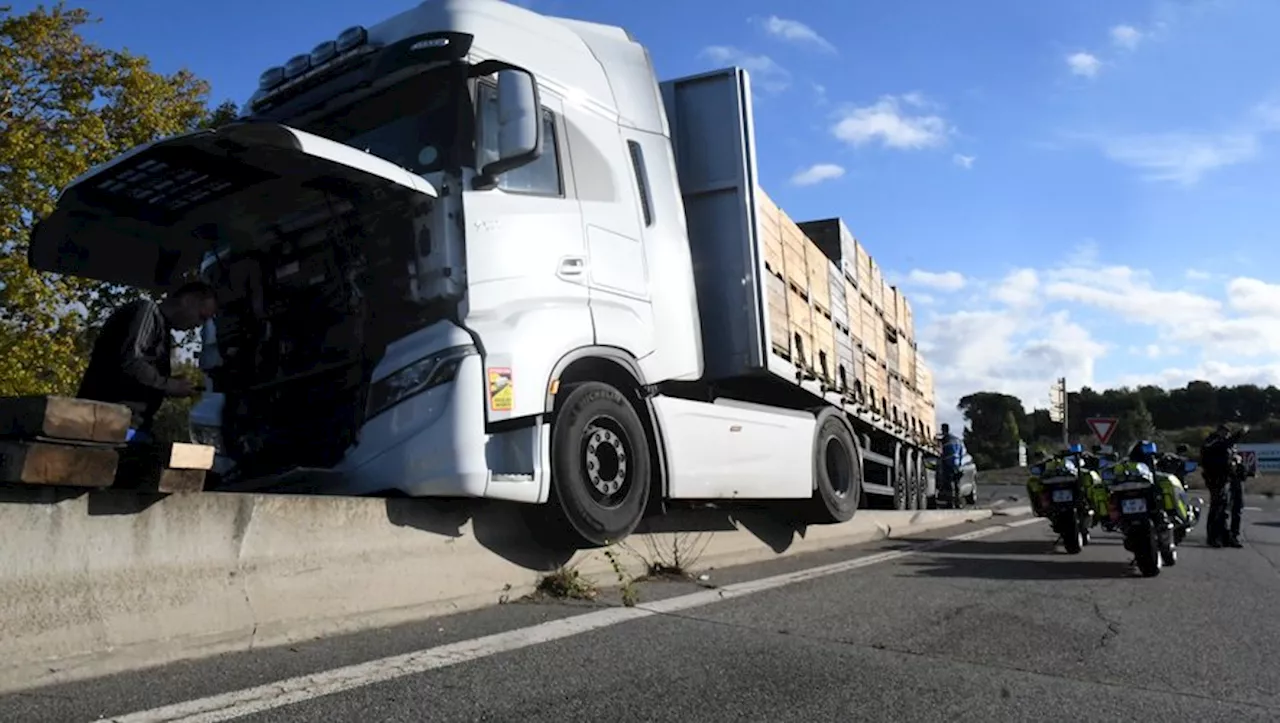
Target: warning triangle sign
(1103, 427)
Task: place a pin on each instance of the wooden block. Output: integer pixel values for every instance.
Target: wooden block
(182, 455)
(820, 285)
(890, 305)
(164, 468)
(80, 420)
(870, 328)
(792, 237)
(45, 463)
(877, 286)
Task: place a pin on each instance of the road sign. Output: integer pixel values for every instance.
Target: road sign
(1103, 427)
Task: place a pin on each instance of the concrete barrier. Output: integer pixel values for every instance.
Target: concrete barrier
(107, 581)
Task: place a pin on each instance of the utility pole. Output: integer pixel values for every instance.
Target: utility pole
(1058, 408)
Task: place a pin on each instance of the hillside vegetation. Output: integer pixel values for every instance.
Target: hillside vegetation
(997, 422)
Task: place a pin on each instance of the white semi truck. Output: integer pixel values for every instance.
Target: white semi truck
(475, 251)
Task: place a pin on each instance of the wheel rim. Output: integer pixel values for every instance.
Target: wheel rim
(606, 455)
(839, 469)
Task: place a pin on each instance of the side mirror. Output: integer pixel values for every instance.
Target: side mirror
(519, 120)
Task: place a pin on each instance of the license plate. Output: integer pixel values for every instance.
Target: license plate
(1133, 506)
(1062, 495)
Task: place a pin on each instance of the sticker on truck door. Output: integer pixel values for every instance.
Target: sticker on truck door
(500, 391)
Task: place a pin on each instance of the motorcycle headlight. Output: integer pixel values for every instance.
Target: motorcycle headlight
(427, 373)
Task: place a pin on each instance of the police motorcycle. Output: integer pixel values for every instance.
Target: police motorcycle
(1187, 510)
(1170, 471)
(1136, 507)
(1062, 491)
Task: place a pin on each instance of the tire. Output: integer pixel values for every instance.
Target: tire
(922, 484)
(901, 494)
(1168, 550)
(600, 467)
(1147, 554)
(837, 471)
(1072, 538)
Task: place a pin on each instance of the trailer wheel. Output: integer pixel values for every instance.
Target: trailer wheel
(901, 480)
(920, 483)
(599, 464)
(837, 469)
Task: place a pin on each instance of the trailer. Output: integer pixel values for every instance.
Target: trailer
(476, 251)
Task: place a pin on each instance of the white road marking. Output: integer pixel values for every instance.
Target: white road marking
(248, 701)
(1252, 509)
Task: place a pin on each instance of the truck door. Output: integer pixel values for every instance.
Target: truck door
(526, 258)
(612, 224)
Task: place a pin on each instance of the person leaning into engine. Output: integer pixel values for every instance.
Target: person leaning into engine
(1215, 464)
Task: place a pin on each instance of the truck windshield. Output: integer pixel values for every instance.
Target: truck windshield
(412, 124)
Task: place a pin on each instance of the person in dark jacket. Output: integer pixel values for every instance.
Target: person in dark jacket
(131, 362)
(1215, 464)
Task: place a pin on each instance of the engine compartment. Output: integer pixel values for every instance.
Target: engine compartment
(308, 304)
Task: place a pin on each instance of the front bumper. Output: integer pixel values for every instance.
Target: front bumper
(433, 444)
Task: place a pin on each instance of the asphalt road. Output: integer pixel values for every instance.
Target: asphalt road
(1002, 628)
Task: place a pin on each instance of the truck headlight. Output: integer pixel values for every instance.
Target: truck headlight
(427, 373)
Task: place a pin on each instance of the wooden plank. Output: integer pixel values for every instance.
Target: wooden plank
(792, 237)
(779, 337)
(81, 420)
(46, 463)
(891, 357)
(799, 314)
(839, 297)
(802, 348)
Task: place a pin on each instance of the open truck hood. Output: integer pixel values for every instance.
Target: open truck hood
(150, 214)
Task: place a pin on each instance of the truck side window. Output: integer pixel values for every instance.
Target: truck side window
(542, 177)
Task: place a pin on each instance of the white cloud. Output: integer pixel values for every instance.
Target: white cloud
(817, 173)
(1197, 275)
(1085, 64)
(939, 281)
(885, 122)
(963, 161)
(796, 32)
(1031, 326)
(1126, 36)
(1019, 289)
(1182, 158)
(765, 73)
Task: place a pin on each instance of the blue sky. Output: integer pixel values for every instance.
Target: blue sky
(1081, 187)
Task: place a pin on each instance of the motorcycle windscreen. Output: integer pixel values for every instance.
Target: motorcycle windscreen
(149, 215)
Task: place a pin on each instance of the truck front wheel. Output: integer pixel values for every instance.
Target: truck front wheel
(600, 467)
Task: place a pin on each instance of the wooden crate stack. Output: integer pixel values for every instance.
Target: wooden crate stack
(66, 442)
(833, 248)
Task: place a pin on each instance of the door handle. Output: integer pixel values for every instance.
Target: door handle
(572, 267)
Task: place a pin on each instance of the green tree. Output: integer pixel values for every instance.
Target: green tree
(1010, 436)
(65, 106)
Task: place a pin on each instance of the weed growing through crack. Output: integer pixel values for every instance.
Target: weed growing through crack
(566, 583)
(626, 584)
